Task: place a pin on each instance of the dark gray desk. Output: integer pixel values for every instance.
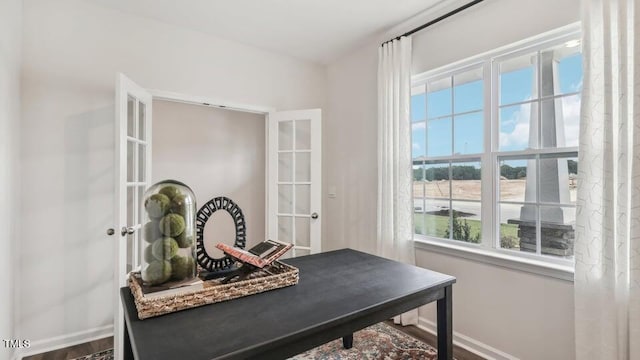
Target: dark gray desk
(339, 293)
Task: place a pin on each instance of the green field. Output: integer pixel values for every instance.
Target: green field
(437, 226)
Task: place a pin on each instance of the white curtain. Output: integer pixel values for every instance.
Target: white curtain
(607, 248)
(395, 203)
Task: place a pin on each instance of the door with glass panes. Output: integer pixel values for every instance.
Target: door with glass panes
(294, 179)
(133, 173)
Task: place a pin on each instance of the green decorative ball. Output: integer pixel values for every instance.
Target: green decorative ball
(157, 272)
(179, 205)
(172, 225)
(148, 254)
(170, 191)
(164, 248)
(151, 231)
(184, 240)
(182, 267)
(157, 205)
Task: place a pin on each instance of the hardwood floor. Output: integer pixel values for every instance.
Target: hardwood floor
(107, 343)
(75, 351)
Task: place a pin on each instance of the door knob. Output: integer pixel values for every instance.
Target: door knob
(110, 231)
(127, 230)
(314, 215)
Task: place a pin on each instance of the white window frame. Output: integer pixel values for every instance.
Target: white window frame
(488, 250)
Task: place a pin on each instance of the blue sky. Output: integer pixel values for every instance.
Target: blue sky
(515, 87)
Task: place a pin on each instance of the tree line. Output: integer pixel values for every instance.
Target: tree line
(458, 172)
(467, 172)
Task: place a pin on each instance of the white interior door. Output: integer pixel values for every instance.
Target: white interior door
(133, 173)
(294, 175)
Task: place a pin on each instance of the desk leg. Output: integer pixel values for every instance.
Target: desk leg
(127, 351)
(445, 326)
(347, 341)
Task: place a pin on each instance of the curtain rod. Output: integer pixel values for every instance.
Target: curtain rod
(437, 20)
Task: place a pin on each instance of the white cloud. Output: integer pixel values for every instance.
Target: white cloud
(418, 125)
(519, 136)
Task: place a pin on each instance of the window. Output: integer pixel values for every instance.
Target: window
(495, 149)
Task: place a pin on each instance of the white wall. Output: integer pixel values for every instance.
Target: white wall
(72, 52)
(217, 153)
(525, 315)
(10, 62)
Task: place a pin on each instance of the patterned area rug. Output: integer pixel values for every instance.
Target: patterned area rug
(377, 342)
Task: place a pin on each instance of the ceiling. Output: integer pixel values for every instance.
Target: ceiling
(315, 30)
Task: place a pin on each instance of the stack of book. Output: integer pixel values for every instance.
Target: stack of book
(169, 289)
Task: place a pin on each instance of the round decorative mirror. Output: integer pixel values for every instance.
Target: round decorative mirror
(205, 213)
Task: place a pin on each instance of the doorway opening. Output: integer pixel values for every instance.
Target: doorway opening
(217, 152)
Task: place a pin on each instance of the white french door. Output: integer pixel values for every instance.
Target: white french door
(295, 179)
(133, 172)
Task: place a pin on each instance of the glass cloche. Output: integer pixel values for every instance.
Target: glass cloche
(168, 233)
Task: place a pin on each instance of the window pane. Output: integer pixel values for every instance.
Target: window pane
(131, 158)
(468, 133)
(285, 135)
(418, 186)
(131, 106)
(142, 113)
(437, 180)
(418, 198)
(439, 98)
(465, 184)
(468, 91)
(518, 79)
(142, 152)
(436, 218)
(419, 107)
(303, 232)
(418, 176)
(439, 137)
(558, 179)
(303, 134)
(303, 166)
(561, 122)
(303, 199)
(285, 199)
(418, 140)
(570, 73)
(513, 180)
(466, 222)
(510, 226)
(557, 231)
(418, 223)
(561, 70)
(518, 127)
(131, 206)
(285, 228)
(285, 167)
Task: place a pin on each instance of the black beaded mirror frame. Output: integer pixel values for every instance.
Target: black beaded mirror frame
(220, 203)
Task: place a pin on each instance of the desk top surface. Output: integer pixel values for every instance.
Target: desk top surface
(334, 287)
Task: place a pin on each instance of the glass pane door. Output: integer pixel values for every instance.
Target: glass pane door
(296, 181)
(136, 177)
(133, 169)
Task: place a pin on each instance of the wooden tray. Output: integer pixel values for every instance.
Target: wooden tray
(276, 276)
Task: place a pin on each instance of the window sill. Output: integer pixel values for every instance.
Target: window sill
(532, 266)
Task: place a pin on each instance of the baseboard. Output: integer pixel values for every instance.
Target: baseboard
(60, 342)
(467, 343)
